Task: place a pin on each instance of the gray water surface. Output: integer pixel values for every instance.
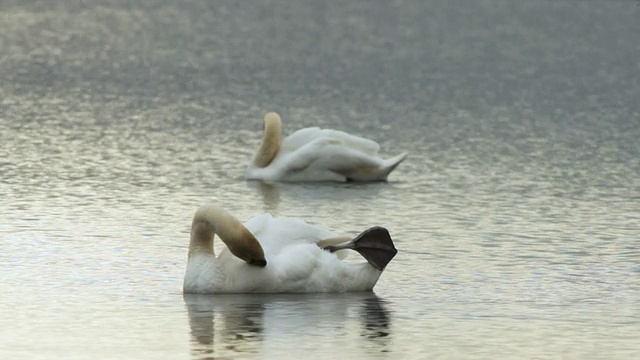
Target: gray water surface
(516, 215)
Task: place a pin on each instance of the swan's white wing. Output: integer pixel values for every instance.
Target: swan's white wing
(274, 234)
(305, 136)
(327, 154)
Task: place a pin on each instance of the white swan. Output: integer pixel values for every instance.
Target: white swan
(314, 154)
(279, 255)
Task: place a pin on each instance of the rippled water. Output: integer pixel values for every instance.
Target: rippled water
(517, 213)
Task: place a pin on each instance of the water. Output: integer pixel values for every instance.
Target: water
(517, 214)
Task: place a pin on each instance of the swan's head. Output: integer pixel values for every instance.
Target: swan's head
(271, 140)
(246, 247)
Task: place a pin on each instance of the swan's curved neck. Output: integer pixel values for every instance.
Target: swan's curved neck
(271, 140)
(211, 220)
(201, 239)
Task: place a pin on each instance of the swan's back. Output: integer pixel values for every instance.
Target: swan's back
(305, 136)
(277, 233)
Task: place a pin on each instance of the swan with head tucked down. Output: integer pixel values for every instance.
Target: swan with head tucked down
(279, 255)
(314, 154)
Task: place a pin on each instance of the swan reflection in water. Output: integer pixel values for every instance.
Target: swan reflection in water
(270, 196)
(281, 324)
(273, 193)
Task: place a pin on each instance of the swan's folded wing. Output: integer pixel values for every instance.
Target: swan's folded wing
(305, 136)
(276, 233)
(352, 141)
(329, 154)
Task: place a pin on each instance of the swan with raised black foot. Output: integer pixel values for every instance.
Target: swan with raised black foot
(314, 154)
(279, 255)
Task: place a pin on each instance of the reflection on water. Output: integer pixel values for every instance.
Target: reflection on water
(376, 319)
(230, 325)
(270, 194)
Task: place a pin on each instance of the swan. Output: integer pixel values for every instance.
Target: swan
(279, 255)
(314, 154)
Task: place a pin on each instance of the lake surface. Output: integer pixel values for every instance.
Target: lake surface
(516, 214)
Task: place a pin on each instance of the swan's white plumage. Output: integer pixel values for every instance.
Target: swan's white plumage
(295, 264)
(314, 154)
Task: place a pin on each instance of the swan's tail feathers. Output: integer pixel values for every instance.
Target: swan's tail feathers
(392, 163)
(379, 172)
(374, 244)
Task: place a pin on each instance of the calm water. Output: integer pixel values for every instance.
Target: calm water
(517, 213)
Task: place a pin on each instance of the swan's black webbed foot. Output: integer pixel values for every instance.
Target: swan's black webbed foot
(374, 244)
